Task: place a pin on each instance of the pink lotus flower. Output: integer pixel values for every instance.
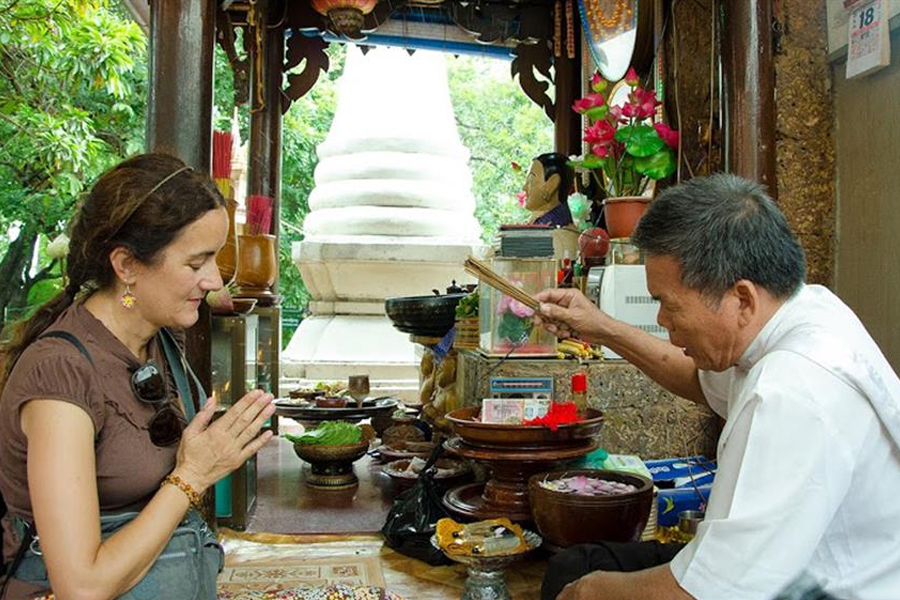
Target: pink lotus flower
(600, 150)
(590, 101)
(641, 104)
(507, 304)
(668, 135)
(601, 132)
(619, 134)
(520, 310)
(616, 113)
(631, 77)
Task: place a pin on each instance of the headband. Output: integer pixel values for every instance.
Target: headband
(143, 199)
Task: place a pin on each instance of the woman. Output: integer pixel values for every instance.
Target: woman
(79, 436)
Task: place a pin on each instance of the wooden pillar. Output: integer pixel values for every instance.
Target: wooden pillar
(568, 89)
(750, 89)
(264, 156)
(179, 112)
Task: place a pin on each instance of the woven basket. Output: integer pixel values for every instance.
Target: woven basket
(467, 334)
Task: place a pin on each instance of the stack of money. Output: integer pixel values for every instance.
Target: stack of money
(512, 411)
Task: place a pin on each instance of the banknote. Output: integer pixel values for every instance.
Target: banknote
(512, 410)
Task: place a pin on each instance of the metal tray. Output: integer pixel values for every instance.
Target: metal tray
(286, 407)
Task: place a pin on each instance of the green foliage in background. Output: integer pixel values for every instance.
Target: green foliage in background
(73, 90)
(499, 125)
(305, 126)
(72, 97)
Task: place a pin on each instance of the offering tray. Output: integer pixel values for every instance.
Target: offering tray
(303, 410)
(505, 494)
(389, 453)
(485, 580)
(503, 436)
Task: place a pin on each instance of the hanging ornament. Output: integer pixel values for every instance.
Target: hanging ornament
(346, 16)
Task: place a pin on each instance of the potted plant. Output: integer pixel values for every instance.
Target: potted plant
(627, 149)
(467, 324)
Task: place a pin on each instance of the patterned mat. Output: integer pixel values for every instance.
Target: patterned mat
(332, 592)
(272, 575)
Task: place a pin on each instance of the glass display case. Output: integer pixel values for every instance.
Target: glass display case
(268, 354)
(505, 324)
(235, 340)
(235, 347)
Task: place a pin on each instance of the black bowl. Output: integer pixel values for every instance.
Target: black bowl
(431, 316)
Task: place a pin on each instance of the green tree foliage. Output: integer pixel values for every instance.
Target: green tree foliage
(305, 126)
(73, 89)
(72, 95)
(499, 125)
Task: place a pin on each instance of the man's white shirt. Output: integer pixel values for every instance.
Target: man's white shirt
(808, 475)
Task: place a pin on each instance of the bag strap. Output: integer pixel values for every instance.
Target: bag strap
(27, 538)
(180, 370)
(65, 335)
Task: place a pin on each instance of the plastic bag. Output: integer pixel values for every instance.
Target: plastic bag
(414, 516)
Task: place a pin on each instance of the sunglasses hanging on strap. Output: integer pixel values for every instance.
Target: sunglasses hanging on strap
(150, 385)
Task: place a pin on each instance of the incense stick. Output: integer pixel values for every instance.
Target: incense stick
(497, 281)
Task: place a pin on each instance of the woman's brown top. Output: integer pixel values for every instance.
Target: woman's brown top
(129, 467)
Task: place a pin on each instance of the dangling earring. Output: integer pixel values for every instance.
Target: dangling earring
(128, 299)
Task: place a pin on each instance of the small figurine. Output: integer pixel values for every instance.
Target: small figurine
(547, 190)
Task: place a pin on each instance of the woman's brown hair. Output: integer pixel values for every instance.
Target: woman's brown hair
(140, 204)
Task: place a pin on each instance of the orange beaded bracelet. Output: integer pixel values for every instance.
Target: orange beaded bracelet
(185, 487)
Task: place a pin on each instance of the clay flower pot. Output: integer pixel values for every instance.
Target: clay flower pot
(257, 264)
(623, 214)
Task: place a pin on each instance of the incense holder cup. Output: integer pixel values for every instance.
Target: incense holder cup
(257, 267)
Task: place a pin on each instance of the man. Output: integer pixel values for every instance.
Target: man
(808, 461)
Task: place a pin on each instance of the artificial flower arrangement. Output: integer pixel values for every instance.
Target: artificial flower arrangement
(627, 148)
(515, 320)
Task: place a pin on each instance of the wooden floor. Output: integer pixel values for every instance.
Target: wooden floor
(290, 517)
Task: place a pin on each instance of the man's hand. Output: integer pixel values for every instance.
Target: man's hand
(656, 583)
(580, 589)
(566, 312)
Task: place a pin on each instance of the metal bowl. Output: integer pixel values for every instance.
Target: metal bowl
(430, 316)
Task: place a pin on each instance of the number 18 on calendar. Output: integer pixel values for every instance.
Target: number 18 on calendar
(870, 41)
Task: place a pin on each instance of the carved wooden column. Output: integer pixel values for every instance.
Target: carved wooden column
(750, 89)
(568, 89)
(264, 156)
(179, 112)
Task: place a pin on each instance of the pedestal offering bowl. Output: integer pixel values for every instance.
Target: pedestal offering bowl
(566, 518)
(331, 466)
(513, 453)
(485, 573)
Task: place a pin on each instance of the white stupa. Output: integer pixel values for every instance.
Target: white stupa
(391, 215)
